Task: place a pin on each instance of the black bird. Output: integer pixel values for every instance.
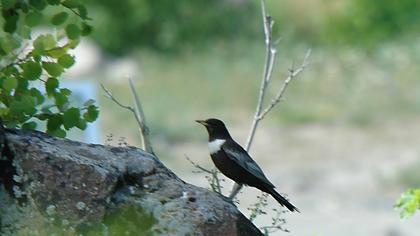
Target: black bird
(234, 162)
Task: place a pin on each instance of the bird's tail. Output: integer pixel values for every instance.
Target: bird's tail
(283, 201)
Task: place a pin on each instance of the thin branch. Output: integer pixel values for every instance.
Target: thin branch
(271, 53)
(77, 13)
(198, 166)
(141, 117)
(139, 121)
(110, 96)
(292, 74)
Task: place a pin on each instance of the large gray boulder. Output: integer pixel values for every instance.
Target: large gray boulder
(62, 187)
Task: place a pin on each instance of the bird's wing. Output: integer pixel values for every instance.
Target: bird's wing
(236, 153)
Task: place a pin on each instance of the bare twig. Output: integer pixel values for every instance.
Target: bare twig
(138, 115)
(144, 130)
(214, 178)
(270, 60)
(202, 169)
(292, 74)
(271, 53)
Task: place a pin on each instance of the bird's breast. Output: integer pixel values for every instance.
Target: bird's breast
(216, 145)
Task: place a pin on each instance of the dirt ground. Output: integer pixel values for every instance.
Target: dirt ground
(344, 179)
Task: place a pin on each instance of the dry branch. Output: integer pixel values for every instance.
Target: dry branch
(138, 115)
(271, 53)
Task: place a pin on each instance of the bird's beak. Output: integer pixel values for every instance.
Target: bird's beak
(203, 122)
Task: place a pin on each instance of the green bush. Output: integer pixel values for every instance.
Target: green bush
(169, 25)
(369, 22)
(27, 63)
(409, 202)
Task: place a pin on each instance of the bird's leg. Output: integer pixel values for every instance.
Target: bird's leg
(236, 188)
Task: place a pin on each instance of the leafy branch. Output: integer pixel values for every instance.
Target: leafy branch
(408, 203)
(28, 62)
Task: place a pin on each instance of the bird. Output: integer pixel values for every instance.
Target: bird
(235, 163)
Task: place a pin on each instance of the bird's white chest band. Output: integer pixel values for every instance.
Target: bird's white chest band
(215, 145)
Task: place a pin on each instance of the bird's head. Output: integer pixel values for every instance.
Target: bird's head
(216, 128)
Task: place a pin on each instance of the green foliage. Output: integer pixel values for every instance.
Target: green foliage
(367, 23)
(409, 202)
(24, 64)
(59, 18)
(170, 25)
(256, 208)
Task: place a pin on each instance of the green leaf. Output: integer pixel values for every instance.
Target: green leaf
(10, 23)
(38, 4)
(46, 109)
(53, 68)
(44, 42)
(65, 91)
(59, 18)
(30, 104)
(58, 133)
(92, 114)
(54, 122)
(71, 3)
(71, 117)
(8, 43)
(409, 202)
(72, 31)
(66, 61)
(37, 95)
(43, 116)
(73, 43)
(51, 85)
(9, 84)
(22, 84)
(89, 102)
(86, 29)
(37, 58)
(31, 70)
(33, 18)
(10, 70)
(4, 111)
(82, 124)
(53, 2)
(24, 31)
(12, 124)
(57, 52)
(82, 12)
(6, 4)
(24, 6)
(61, 101)
(24, 104)
(29, 125)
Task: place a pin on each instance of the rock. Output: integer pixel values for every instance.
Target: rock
(75, 187)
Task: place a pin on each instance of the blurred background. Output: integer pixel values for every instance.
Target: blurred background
(343, 144)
